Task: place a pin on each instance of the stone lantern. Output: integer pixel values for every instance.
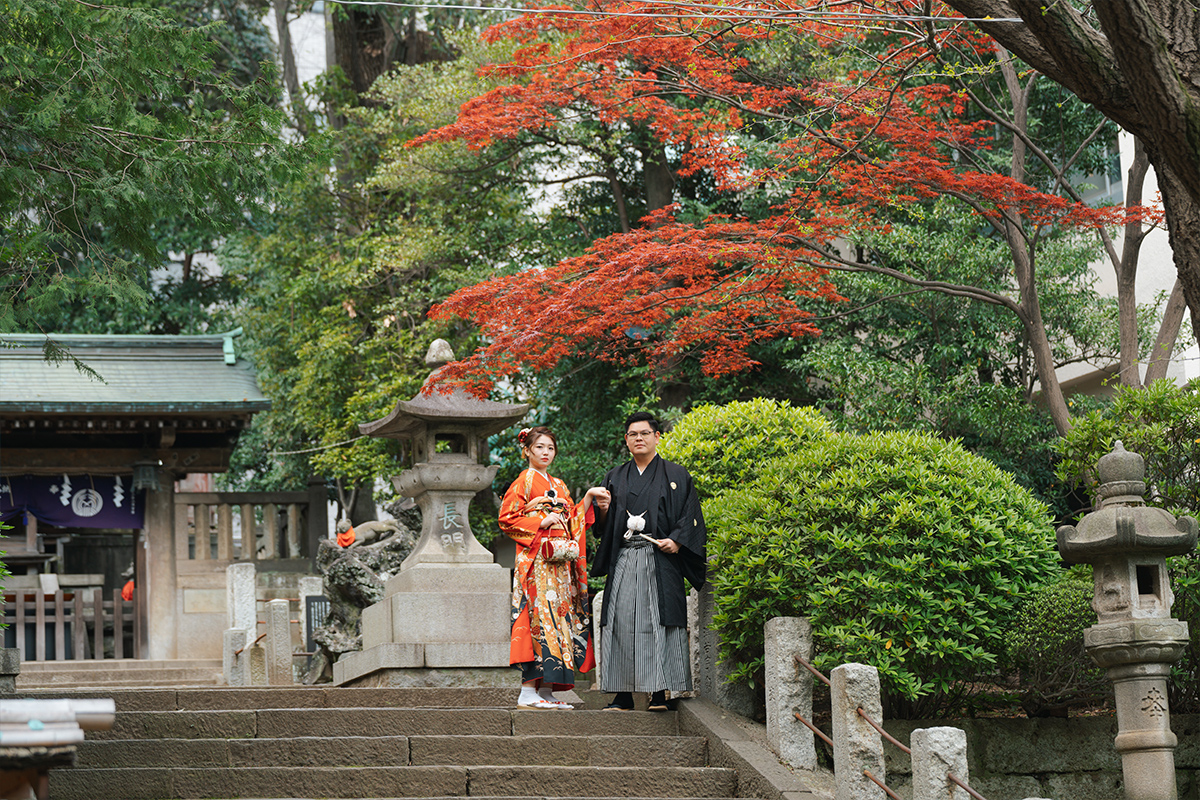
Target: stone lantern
(445, 616)
(1135, 639)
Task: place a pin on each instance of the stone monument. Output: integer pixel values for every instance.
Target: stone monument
(1135, 639)
(445, 616)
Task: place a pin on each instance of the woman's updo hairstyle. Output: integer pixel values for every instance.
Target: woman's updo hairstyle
(528, 436)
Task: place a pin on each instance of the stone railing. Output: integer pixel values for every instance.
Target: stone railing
(939, 754)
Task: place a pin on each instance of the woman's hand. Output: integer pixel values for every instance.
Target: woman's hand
(600, 496)
(552, 519)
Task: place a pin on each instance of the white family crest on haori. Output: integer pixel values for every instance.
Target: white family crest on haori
(636, 524)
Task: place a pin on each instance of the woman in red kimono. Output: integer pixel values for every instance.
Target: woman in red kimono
(549, 599)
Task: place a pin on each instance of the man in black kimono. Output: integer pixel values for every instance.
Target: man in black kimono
(652, 538)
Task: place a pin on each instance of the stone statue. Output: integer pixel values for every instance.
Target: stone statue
(373, 533)
(354, 578)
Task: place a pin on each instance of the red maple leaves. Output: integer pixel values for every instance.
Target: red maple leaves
(664, 290)
(851, 122)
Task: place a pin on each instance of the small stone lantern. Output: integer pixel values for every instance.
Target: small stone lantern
(1136, 640)
(445, 616)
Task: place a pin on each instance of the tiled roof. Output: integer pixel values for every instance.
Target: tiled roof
(141, 374)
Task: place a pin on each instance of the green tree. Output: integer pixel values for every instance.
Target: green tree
(113, 122)
(340, 281)
(953, 365)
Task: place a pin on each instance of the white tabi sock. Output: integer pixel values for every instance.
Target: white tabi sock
(528, 696)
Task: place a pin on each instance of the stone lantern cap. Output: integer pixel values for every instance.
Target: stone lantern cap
(411, 417)
(433, 408)
(1123, 524)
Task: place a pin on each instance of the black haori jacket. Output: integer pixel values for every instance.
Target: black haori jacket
(676, 516)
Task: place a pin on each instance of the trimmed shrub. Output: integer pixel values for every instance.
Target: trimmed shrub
(1045, 647)
(904, 551)
(723, 447)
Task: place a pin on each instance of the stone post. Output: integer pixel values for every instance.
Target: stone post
(240, 596)
(789, 689)
(936, 752)
(279, 644)
(241, 623)
(709, 674)
(256, 661)
(1135, 639)
(10, 668)
(235, 665)
(856, 745)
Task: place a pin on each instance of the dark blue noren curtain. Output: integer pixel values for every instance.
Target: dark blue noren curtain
(73, 501)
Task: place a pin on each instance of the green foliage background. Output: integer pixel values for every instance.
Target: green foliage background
(123, 136)
(1161, 422)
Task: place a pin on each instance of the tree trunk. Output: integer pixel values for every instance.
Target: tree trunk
(618, 191)
(1140, 68)
(1126, 269)
(1183, 231)
(658, 177)
(291, 76)
(364, 45)
(1168, 332)
(1024, 267)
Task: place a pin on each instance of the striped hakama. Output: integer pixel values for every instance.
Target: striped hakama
(638, 654)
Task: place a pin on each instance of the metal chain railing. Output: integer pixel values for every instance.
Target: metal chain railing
(950, 777)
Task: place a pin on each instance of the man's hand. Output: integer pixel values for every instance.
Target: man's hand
(667, 545)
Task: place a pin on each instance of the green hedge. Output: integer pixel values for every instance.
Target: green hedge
(1045, 647)
(724, 446)
(904, 551)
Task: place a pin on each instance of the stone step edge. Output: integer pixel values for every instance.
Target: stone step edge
(677, 782)
(223, 753)
(86, 665)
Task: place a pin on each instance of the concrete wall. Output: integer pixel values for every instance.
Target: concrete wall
(1066, 759)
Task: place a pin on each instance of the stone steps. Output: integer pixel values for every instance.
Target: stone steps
(467, 750)
(118, 673)
(328, 722)
(156, 783)
(309, 742)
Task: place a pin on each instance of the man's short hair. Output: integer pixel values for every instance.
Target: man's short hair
(643, 416)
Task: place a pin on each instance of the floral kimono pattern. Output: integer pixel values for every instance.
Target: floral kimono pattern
(549, 597)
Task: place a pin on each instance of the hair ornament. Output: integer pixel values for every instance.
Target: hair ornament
(523, 437)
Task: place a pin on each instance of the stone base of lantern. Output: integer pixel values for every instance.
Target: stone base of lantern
(438, 625)
(392, 666)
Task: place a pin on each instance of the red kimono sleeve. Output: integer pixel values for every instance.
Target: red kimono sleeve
(513, 522)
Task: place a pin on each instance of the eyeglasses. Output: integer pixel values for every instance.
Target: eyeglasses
(640, 434)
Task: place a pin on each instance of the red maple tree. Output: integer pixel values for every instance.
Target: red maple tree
(867, 128)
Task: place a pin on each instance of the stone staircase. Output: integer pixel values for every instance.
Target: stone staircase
(324, 742)
(127, 672)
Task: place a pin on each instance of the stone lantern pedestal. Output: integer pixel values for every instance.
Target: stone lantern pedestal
(445, 618)
(1135, 639)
